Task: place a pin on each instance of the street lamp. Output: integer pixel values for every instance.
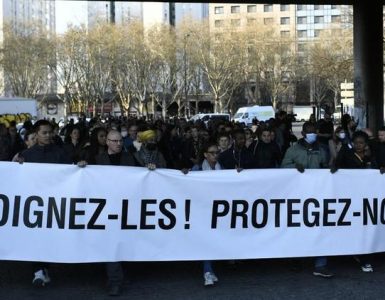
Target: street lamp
(187, 104)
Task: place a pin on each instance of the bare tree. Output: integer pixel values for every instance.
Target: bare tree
(25, 56)
(332, 59)
(219, 55)
(63, 64)
(166, 83)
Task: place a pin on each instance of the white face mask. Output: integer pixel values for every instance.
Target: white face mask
(124, 133)
(341, 135)
(310, 138)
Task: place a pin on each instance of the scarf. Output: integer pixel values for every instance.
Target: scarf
(206, 166)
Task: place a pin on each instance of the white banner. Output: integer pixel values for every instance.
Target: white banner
(62, 213)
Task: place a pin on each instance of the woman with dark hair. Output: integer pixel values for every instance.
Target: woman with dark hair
(335, 144)
(72, 143)
(29, 141)
(349, 126)
(356, 157)
(95, 146)
(170, 145)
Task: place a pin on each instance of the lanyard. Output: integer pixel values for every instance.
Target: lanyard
(238, 163)
(358, 157)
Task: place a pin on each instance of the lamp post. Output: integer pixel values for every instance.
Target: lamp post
(187, 104)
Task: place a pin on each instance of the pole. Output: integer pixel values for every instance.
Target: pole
(187, 104)
(112, 12)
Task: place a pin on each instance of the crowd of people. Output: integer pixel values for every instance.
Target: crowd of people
(186, 146)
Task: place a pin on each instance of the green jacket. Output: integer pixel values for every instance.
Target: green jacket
(310, 158)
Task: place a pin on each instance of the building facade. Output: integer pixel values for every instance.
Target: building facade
(299, 24)
(19, 14)
(194, 11)
(124, 12)
(149, 13)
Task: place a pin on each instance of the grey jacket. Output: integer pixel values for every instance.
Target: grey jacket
(310, 158)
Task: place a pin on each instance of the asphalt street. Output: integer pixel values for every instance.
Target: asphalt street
(249, 279)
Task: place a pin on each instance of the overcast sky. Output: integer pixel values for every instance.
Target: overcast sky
(74, 12)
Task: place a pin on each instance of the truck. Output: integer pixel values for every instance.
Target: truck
(246, 115)
(17, 109)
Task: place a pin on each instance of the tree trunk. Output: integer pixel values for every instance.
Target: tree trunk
(101, 107)
(164, 109)
(216, 105)
(274, 102)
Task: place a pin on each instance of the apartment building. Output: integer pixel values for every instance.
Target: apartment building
(20, 13)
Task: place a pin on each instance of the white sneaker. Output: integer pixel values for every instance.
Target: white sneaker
(214, 277)
(41, 278)
(367, 268)
(208, 279)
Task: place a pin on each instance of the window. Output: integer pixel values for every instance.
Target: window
(218, 23)
(236, 22)
(285, 33)
(301, 60)
(251, 21)
(318, 19)
(301, 20)
(301, 47)
(302, 33)
(317, 32)
(268, 8)
(336, 19)
(250, 49)
(318, 7)
(251, 8)
(268, 21)
(218, 37)
(218, 10)
(300, 7)
(284, 7)
(235, 9)
(285, 21)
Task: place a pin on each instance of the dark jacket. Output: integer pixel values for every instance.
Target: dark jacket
(380, 154)
(52, 154)
(346, 159)
(231, 158)
(191, 149)
(126, 159)
(267, 155)
(5, 147)
(72, 151)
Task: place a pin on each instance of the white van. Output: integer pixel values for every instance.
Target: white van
(246, 115)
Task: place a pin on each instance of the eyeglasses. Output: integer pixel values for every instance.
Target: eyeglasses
(214, 152)
(116, 141)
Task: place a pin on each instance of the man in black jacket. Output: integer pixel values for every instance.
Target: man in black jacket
(115, 156)
(266, 152)
(44, 151)
(238, 156)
